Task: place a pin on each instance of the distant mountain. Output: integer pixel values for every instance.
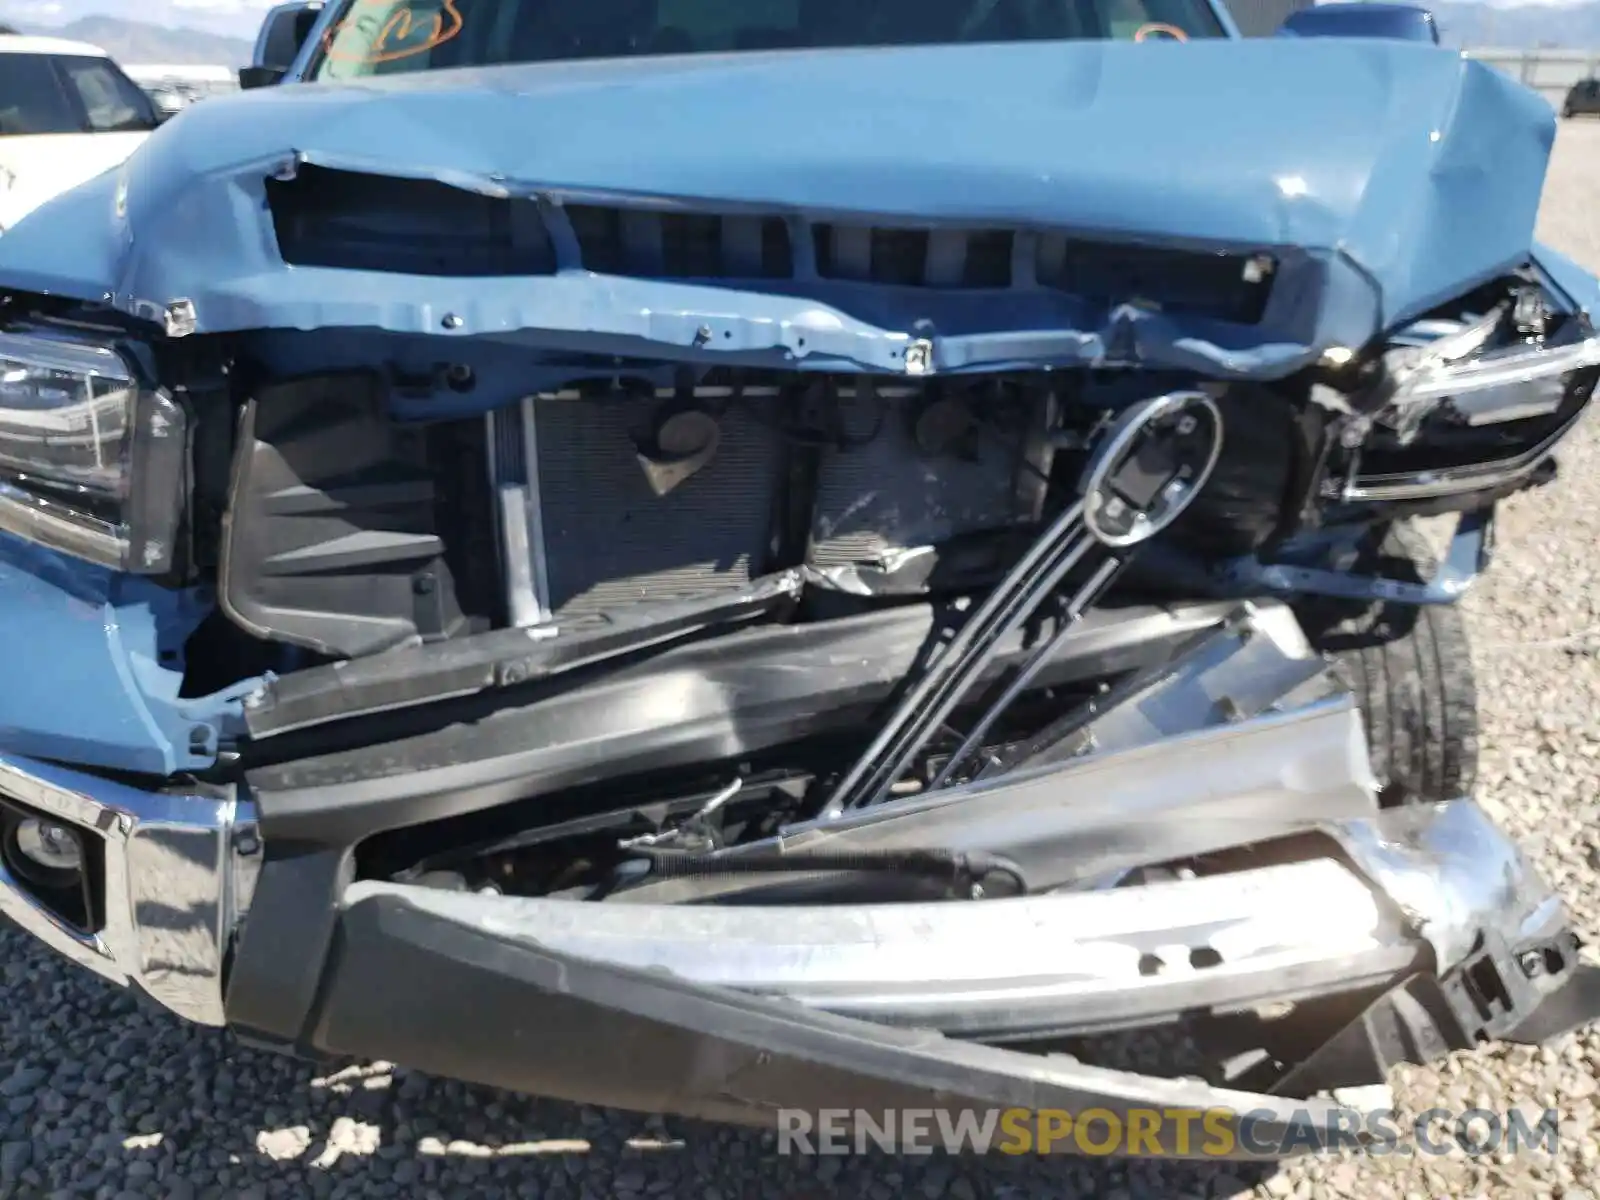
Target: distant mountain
(169, 33)
(1574, 26)
(231, 18)
(138, 42)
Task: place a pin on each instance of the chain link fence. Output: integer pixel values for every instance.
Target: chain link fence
(1550, 72)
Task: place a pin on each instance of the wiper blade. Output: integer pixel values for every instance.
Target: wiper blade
(414, 675)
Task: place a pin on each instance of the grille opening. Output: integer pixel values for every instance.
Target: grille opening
(946, 258)
(355, 221)
(899, 256)
(1226, 287)
(988, 263)
(599, 234)
(691, 245)
(678, 245)
(352, 220)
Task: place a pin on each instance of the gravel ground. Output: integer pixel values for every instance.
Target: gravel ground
(105, 1100)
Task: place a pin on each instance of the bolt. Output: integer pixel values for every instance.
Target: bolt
(919, 357)
(452, 321)
(181, 319)
(1187, 425)
(1353, 434)
(1532, 963)
(702, 335)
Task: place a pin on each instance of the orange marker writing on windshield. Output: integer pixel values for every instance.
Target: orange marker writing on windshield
(402, 35)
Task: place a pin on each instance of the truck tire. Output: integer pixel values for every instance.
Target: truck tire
(1410, 668)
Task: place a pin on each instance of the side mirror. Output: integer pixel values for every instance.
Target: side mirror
(283, 32)
(254, 77)
(1403, 22)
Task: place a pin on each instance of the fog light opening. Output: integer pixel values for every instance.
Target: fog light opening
(47, 855)
(48, 847)
(56, 862)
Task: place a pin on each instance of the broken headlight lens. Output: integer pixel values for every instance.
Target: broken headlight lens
(1457, 366)
(91, 461)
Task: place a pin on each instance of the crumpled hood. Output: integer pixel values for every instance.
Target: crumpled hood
(1392, 176)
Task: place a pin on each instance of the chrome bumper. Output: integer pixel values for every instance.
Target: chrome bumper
(1245, 738)
(1419, 890)
(174, 874)
(1414, 889)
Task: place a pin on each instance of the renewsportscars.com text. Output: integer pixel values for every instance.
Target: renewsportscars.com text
(1163, 1132)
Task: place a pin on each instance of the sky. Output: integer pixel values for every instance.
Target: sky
(237, 18)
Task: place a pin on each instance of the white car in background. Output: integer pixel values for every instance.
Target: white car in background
(67, 114)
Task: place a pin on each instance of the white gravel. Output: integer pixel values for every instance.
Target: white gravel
(106, 1101)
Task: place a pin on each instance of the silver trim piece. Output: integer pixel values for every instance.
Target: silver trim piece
(1452, 872)
(1424, 485)
(1197, 762)
(1466, 559)
(514, 474)
(1423, 884)
(37, 520)
(176, 878)
(1440, 379)
(1110, 453)
(1066, 962)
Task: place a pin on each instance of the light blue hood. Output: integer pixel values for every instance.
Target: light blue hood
(1387, 177)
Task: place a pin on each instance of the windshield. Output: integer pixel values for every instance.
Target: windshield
(32, 98)
(387, 37)
(69, 94)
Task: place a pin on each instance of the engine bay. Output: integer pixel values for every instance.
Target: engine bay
(350, 534)
(874, 589)
(648, 605)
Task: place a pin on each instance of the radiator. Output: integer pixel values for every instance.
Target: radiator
(583, 530)
(587, 525)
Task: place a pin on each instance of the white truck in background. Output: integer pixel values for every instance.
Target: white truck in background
(175, 86)
(67, 113)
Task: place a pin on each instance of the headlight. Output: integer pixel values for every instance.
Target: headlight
(91, 462)
(1487, 386)
(1515, 366)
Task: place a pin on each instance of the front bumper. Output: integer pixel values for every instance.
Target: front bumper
(171, 874)
(1407, 933)
(1431, 915)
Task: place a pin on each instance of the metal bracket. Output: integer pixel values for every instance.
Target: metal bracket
(1469, 555)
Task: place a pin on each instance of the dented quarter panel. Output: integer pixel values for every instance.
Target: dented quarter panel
(1423, 178)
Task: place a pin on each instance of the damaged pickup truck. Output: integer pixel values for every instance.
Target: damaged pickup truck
(710, 557)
